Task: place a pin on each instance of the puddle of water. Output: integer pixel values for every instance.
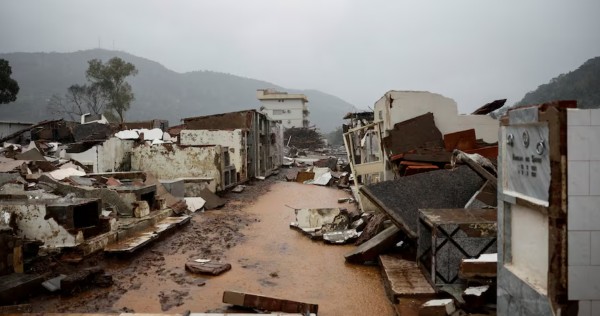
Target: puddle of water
(274, 260)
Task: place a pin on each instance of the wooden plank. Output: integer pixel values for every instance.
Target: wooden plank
(18, 259)
(268, 303)
(403, 279)
(369, 250)
(304, 176)
(461, 140)
(369, 168)
(442, 156)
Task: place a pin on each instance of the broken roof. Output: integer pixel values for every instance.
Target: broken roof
(401, 199)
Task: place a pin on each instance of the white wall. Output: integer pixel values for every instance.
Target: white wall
(408, 104)
(234, 140)
(30, 218)
(169, 161)
(583, 151)
(106, 157)
(529, 246)
(293, 118)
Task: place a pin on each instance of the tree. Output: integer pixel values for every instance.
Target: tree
(79, 100)
(8, 86)
(336, 137)
(110, 79)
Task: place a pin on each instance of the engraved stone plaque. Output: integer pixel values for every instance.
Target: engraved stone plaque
(525, 154)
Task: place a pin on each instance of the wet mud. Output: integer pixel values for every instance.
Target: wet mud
(251, 232)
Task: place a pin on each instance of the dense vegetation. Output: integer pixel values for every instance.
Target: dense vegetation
(582, 84)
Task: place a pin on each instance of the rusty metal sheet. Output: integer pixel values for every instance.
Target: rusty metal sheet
(231, 120)
(461, 140)
(417, 132)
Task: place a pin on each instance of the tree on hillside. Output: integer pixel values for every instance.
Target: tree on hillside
(79, 100)
(110, 78)
(8, 86)
(106, 92)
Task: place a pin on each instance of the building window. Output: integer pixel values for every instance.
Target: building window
(278, 112)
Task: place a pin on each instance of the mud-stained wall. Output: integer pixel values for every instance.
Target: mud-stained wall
(111, 156)
(170, 161)
(235, 140)
(399, 106)
(31, 224)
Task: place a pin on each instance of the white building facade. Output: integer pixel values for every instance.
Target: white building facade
(290, 109)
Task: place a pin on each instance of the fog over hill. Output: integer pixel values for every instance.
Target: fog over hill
(159, 92)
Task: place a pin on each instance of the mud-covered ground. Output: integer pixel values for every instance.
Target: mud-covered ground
(208, 235)
(251, 232)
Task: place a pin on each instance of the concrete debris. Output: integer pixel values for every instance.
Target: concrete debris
(195, 204)
(53, 284)
(61, 174)
(31, 155)
(476, 297)
(238, 189)
(368, 251)
(139, 240)
(213, 201)
(440, 307)
(141, 209)
(480, 268)
(311, 221)
(341, 237)
(374, 226)
(212, 268)
(268, 303)
(345, 200)
(83, 278)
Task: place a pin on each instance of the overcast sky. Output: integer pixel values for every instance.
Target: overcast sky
(472, 51)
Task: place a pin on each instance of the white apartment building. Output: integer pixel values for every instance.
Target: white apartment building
(290, 109)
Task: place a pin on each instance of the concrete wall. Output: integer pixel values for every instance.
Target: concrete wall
(170, 161)
(30, 218)
(7, 128)
(235, 140)
(111, 156)
(398, 106)
(583, 127)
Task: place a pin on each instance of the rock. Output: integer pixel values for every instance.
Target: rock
(212, 268)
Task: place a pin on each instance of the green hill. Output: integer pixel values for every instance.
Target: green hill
(159, 92)
(582, 84)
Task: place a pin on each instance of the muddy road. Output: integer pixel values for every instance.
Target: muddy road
(251, 232)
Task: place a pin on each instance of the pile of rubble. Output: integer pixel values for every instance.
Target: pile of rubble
(69, 190)
(428, 207)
